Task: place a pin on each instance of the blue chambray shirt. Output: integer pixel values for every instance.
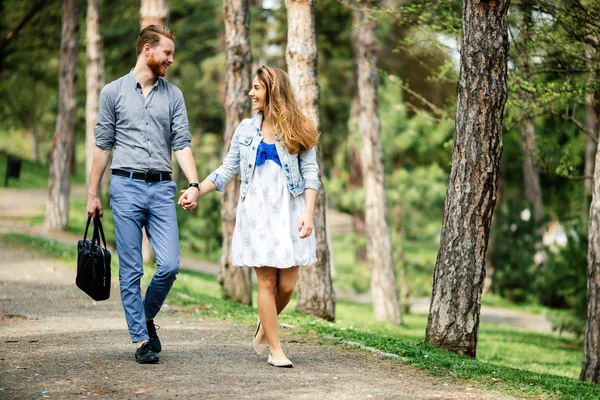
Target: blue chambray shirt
(142, 131)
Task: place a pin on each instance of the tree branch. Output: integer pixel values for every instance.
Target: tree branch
(34, 10)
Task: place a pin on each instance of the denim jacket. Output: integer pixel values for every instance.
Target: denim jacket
(301, 170)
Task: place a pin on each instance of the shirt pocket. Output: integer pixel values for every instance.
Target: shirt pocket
(244, 143)
(245, 140)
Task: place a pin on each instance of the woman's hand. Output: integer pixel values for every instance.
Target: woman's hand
(306, 222)
(188, 198)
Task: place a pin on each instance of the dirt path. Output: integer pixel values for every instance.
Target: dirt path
(55, 342)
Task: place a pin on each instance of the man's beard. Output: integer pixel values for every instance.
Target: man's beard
(156, 67)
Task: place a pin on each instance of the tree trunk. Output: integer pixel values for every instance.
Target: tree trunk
(356, 181)
(531, 177)
(384, 289)
(591, 124)
(153, 12)
(315, 289)
(94, 81)
(236, 281)
(35, 147)
(453, 322)
(590, 370)
(57, 205)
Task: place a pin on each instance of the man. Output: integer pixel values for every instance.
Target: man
(143, 117)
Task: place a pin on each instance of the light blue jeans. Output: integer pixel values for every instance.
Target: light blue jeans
(136, 204)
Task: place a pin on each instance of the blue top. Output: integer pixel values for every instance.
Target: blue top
(266, 152)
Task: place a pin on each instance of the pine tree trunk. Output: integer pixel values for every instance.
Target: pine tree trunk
(453, 322)
(531, 177)
(153, 12)
(315, 288)
(591, 124)
(356, 181)
(590, 368)
(57, 205)
(384, 289)
(94, 81)
(236, 281)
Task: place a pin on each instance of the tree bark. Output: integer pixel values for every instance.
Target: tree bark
(453, 322)
(590, 368)
(235, 281)
(315, 288)
(153, 12)
(384, 289)
(531, 177)
(591, 124)
(57, 205)
(94, 81)
(356, 181)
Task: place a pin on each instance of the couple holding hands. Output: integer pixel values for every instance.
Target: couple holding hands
(143, 117)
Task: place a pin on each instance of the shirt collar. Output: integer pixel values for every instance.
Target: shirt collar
(136, 83)
(257, 120)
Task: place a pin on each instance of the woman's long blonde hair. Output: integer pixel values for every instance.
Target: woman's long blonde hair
(297, 132)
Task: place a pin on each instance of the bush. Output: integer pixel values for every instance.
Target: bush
(513, 246)
(562, 281)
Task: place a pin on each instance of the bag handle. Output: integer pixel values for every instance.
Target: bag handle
(87, 227)
(98, 229)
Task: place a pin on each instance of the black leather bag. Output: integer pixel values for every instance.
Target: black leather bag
(93, 263)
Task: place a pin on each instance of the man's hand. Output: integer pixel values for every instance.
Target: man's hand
(188, 198)
(94, 204)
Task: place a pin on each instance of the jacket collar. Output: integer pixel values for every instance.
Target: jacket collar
(257, 120)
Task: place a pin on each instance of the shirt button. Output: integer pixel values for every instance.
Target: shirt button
(249, 165)
(146, 123)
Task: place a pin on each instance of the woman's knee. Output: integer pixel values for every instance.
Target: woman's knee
(267, 283)
(285, 289)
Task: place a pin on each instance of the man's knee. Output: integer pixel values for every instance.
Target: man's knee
(169, 269)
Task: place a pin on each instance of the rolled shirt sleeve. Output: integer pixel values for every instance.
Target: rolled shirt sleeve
(180, 130)
(104, 131)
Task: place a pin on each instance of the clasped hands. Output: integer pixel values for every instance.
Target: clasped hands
(188, 198)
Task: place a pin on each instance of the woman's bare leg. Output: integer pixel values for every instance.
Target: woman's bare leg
(267, 309)
(286, 283)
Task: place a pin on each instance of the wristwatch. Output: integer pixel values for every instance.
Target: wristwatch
(196, 185)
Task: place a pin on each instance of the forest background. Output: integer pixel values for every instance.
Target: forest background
(537, 252)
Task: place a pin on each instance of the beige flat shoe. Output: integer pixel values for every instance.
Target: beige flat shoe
(259, 348)
(280, 363)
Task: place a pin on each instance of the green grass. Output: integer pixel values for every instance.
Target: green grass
(418, 258)
(511, 360)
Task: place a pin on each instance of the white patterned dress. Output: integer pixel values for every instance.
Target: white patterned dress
(266, 227)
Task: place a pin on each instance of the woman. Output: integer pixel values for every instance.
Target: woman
(275, 152)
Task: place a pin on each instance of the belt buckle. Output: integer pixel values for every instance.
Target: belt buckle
(147, 176)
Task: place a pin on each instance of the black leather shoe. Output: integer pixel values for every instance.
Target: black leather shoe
(145, 354)
(154, 340)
